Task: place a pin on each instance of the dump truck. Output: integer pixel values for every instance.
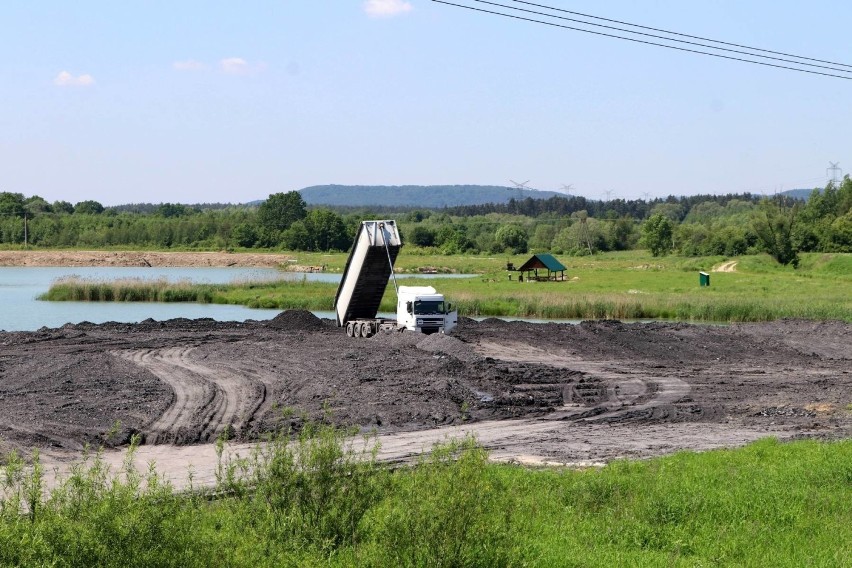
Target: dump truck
(368, 270)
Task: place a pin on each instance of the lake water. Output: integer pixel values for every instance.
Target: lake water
(20, 311)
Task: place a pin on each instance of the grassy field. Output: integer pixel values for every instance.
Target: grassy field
(312, 502)
(629, 285)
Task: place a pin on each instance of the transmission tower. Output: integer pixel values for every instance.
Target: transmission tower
(520, 187)
(566, 188)
(608, 194)
(646, 195)
(836, 175)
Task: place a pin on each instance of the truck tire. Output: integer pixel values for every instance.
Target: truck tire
(366, 330)
(350, 329)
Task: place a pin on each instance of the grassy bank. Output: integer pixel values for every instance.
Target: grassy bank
(128, 290)
(281, 294)
(628, 285)
(313, 502)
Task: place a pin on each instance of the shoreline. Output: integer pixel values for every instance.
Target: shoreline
(76, 258)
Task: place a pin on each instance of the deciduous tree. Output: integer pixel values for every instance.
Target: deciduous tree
(657, 234)
(326, 230)
(281, 210)
(774, 224)
(89, 207)
(11, 204)
(512, 238)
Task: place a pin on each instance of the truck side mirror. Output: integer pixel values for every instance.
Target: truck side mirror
(408, 307)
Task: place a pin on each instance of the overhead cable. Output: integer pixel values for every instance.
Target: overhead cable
(679, 34)
(664, 38)
(646, 42)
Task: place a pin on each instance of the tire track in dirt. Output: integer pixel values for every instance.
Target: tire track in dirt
(258, 389)
(206, 400)
(628, 392)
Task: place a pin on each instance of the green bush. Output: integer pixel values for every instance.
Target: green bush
(310, 493)
(94, 519)
(320, 499)
(450, 510)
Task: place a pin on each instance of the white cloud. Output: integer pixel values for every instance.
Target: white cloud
(239, 66)
(66, 79)
(234, 65)
(386, 8)
(189, 65)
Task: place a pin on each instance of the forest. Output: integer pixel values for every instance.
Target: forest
(729, 225)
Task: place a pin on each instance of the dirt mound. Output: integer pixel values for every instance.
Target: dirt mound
(183, 380)
(447, 345)
(296, 320)
(661, 343)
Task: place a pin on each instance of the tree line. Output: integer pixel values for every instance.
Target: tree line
(728, 225)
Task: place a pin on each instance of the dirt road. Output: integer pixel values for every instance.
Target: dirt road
(728, 266)
(538, 393)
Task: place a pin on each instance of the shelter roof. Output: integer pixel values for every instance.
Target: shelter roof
(542, 261)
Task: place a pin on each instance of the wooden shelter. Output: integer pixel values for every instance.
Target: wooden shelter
(555, 269)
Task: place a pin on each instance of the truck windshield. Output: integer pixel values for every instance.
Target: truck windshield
(424, 307)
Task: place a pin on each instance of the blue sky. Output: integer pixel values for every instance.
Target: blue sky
(222, 101)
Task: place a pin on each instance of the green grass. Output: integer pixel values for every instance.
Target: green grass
(78, 289)
(629, 285)
(281, 294)
(768, 504)
(315, 501)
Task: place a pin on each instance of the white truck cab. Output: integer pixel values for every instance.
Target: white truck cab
(423, 309)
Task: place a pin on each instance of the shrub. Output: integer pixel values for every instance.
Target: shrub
(450, 510)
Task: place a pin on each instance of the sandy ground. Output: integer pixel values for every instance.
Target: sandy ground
(729, 266)
(533, 393)
(151, 259)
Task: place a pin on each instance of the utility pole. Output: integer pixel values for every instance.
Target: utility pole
(583, 237)
(25, 230)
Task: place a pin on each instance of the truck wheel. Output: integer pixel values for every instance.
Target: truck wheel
(366, 330)
(350, 329)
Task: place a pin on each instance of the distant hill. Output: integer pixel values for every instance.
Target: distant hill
(426, 196)
(148, 208)
(802, 194)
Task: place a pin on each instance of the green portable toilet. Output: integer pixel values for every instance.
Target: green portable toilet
(704, 279)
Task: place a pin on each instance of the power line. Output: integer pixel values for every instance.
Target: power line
(680, 34)
(664, 38)
(563, 26)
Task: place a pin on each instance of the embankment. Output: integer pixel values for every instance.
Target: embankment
(140, 258)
